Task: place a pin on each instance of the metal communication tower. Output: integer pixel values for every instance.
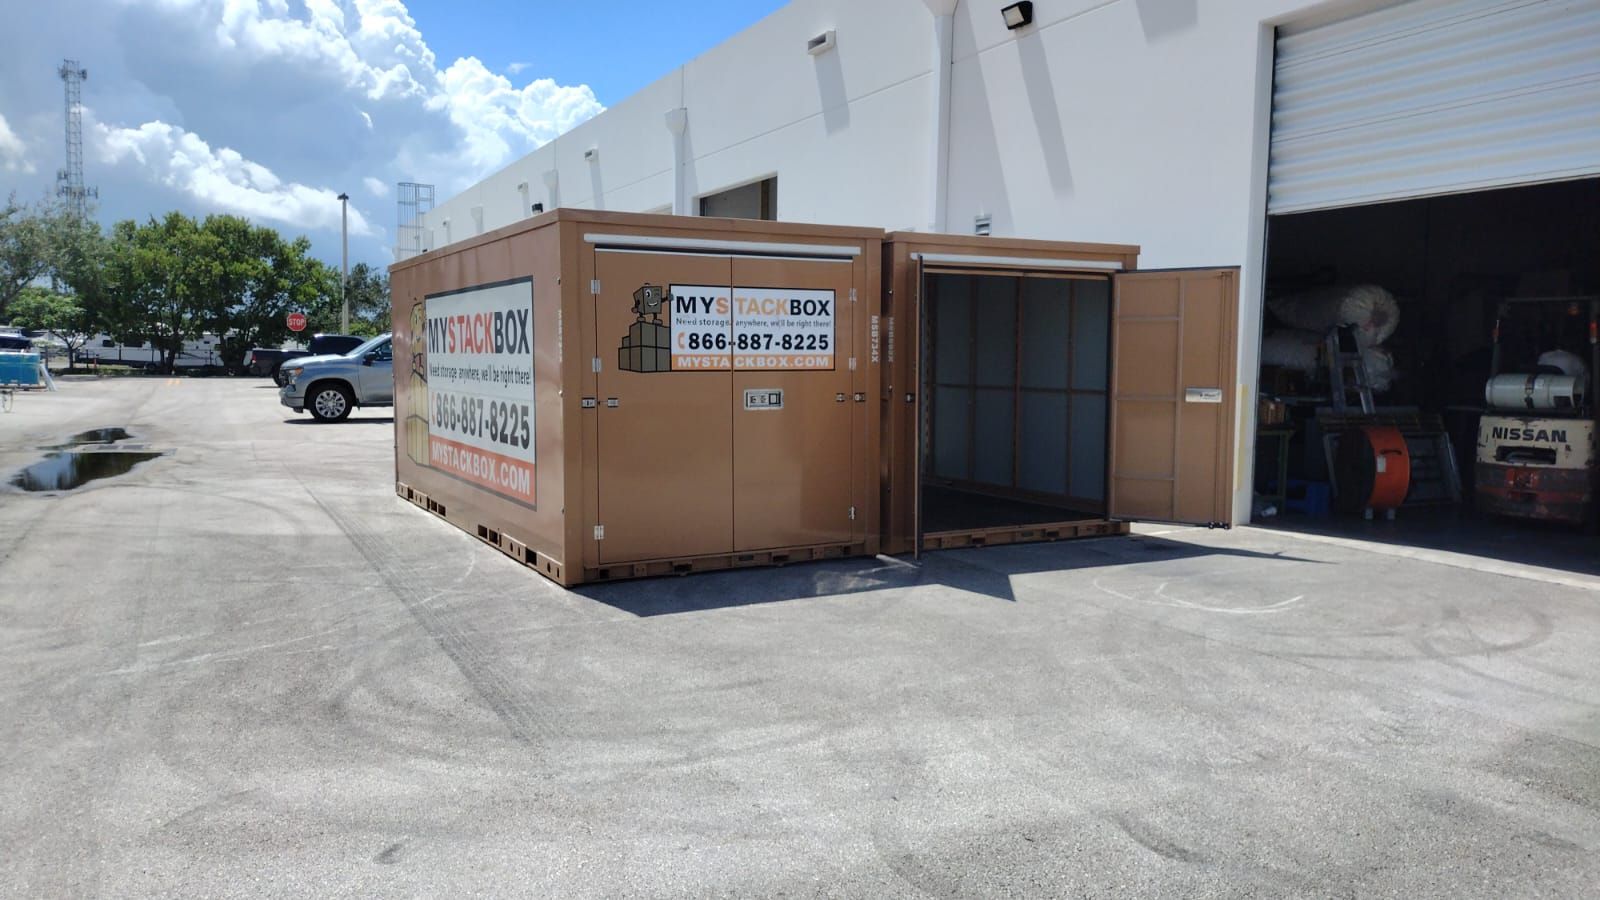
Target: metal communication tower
(411, 236)
(69, 181)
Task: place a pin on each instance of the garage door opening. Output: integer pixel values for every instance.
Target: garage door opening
(1017, 375)
(1423, 283)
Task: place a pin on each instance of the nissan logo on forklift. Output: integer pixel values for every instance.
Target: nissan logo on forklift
(1537, 435)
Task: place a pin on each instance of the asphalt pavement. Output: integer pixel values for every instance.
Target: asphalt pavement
(245, 668)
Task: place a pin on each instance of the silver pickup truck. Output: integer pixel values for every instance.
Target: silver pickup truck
(329, 387)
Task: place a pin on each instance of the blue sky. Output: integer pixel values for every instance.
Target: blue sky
(270, 108)
(615, 48)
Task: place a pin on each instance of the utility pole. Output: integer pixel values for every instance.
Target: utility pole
(344, 279)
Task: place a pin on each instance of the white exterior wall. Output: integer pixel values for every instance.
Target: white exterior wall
(1133, 121)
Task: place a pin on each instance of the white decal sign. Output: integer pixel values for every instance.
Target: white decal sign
(752, 328)
(702, 327)
(480, 386)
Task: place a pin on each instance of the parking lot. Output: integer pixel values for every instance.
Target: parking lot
(246, 668)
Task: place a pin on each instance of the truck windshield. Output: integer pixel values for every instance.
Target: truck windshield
(376, 342)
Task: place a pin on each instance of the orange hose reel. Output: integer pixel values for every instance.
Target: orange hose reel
(1374, 468)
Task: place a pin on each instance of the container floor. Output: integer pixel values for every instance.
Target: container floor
(948, 509)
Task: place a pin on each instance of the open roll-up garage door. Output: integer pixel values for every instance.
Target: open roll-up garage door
(1433, 97)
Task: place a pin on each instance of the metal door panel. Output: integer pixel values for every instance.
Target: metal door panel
(377, 379)
(1173, 358)
(664, 436)
(793, 466)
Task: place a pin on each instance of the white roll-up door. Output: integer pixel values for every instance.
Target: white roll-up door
(1434, 97)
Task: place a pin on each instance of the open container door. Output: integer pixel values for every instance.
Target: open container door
(913, 392)
(1173, 395)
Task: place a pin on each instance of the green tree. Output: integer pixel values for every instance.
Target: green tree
(60, 315)
(164, 279)
(31, 240)
(368, 290)
(239, 284)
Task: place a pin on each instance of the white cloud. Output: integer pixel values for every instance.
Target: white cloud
(493, 115)
(376, 50)
(13, 153)
(221, 179)
(244, 106)
(376, 187)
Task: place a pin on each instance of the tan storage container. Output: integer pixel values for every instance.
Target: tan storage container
(1040, 390)
(607, 395)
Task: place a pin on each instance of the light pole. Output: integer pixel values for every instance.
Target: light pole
(344, 265)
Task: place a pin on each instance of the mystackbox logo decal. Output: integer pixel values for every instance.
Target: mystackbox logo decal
(476, 369)
(713, 327)
(417, 392)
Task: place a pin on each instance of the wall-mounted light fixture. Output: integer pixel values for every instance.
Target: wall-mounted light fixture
(592, 154)
(982, 225)
(1018, 14)
(822, 43)
(538, 208)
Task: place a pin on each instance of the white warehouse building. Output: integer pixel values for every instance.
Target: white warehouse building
(1445, 150)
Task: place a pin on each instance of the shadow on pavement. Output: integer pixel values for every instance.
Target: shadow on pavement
(1524, 542)
(987, 571)
(353, 420)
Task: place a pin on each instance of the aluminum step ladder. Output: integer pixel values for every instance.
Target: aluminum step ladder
(1347, 371)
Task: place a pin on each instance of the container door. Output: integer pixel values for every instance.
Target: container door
(664, 405)
(1173, 395)
(793, 406)
(913, 389)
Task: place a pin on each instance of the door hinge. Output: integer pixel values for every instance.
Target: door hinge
(852, 513)
(594, 286)
(599, 532)
(596, 364)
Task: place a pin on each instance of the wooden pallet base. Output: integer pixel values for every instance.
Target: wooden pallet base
(1023, 534)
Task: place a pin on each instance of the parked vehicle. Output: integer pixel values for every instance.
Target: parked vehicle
(329, 387)
(267, 361)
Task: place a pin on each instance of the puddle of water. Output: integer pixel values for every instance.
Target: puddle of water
(93, 436)
(65, 470)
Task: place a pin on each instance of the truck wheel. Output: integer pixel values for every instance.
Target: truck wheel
(329, 401)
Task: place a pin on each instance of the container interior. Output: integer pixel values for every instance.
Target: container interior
(1016, 373)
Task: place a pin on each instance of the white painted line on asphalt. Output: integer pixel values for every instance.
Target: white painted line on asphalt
(1162, 598)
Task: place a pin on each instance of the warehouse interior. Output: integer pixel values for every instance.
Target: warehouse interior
(1448, 262)
(1016, 375)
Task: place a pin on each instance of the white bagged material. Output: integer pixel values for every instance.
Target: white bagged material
(1569, 363)
(1371, 309)
(1301, 351)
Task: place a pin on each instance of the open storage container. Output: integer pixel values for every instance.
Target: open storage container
(1039, 390)
(609, 395)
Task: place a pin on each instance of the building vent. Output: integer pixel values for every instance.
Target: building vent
(822, 43)
(982, 225)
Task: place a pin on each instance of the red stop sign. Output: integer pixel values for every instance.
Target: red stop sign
(297, 321)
